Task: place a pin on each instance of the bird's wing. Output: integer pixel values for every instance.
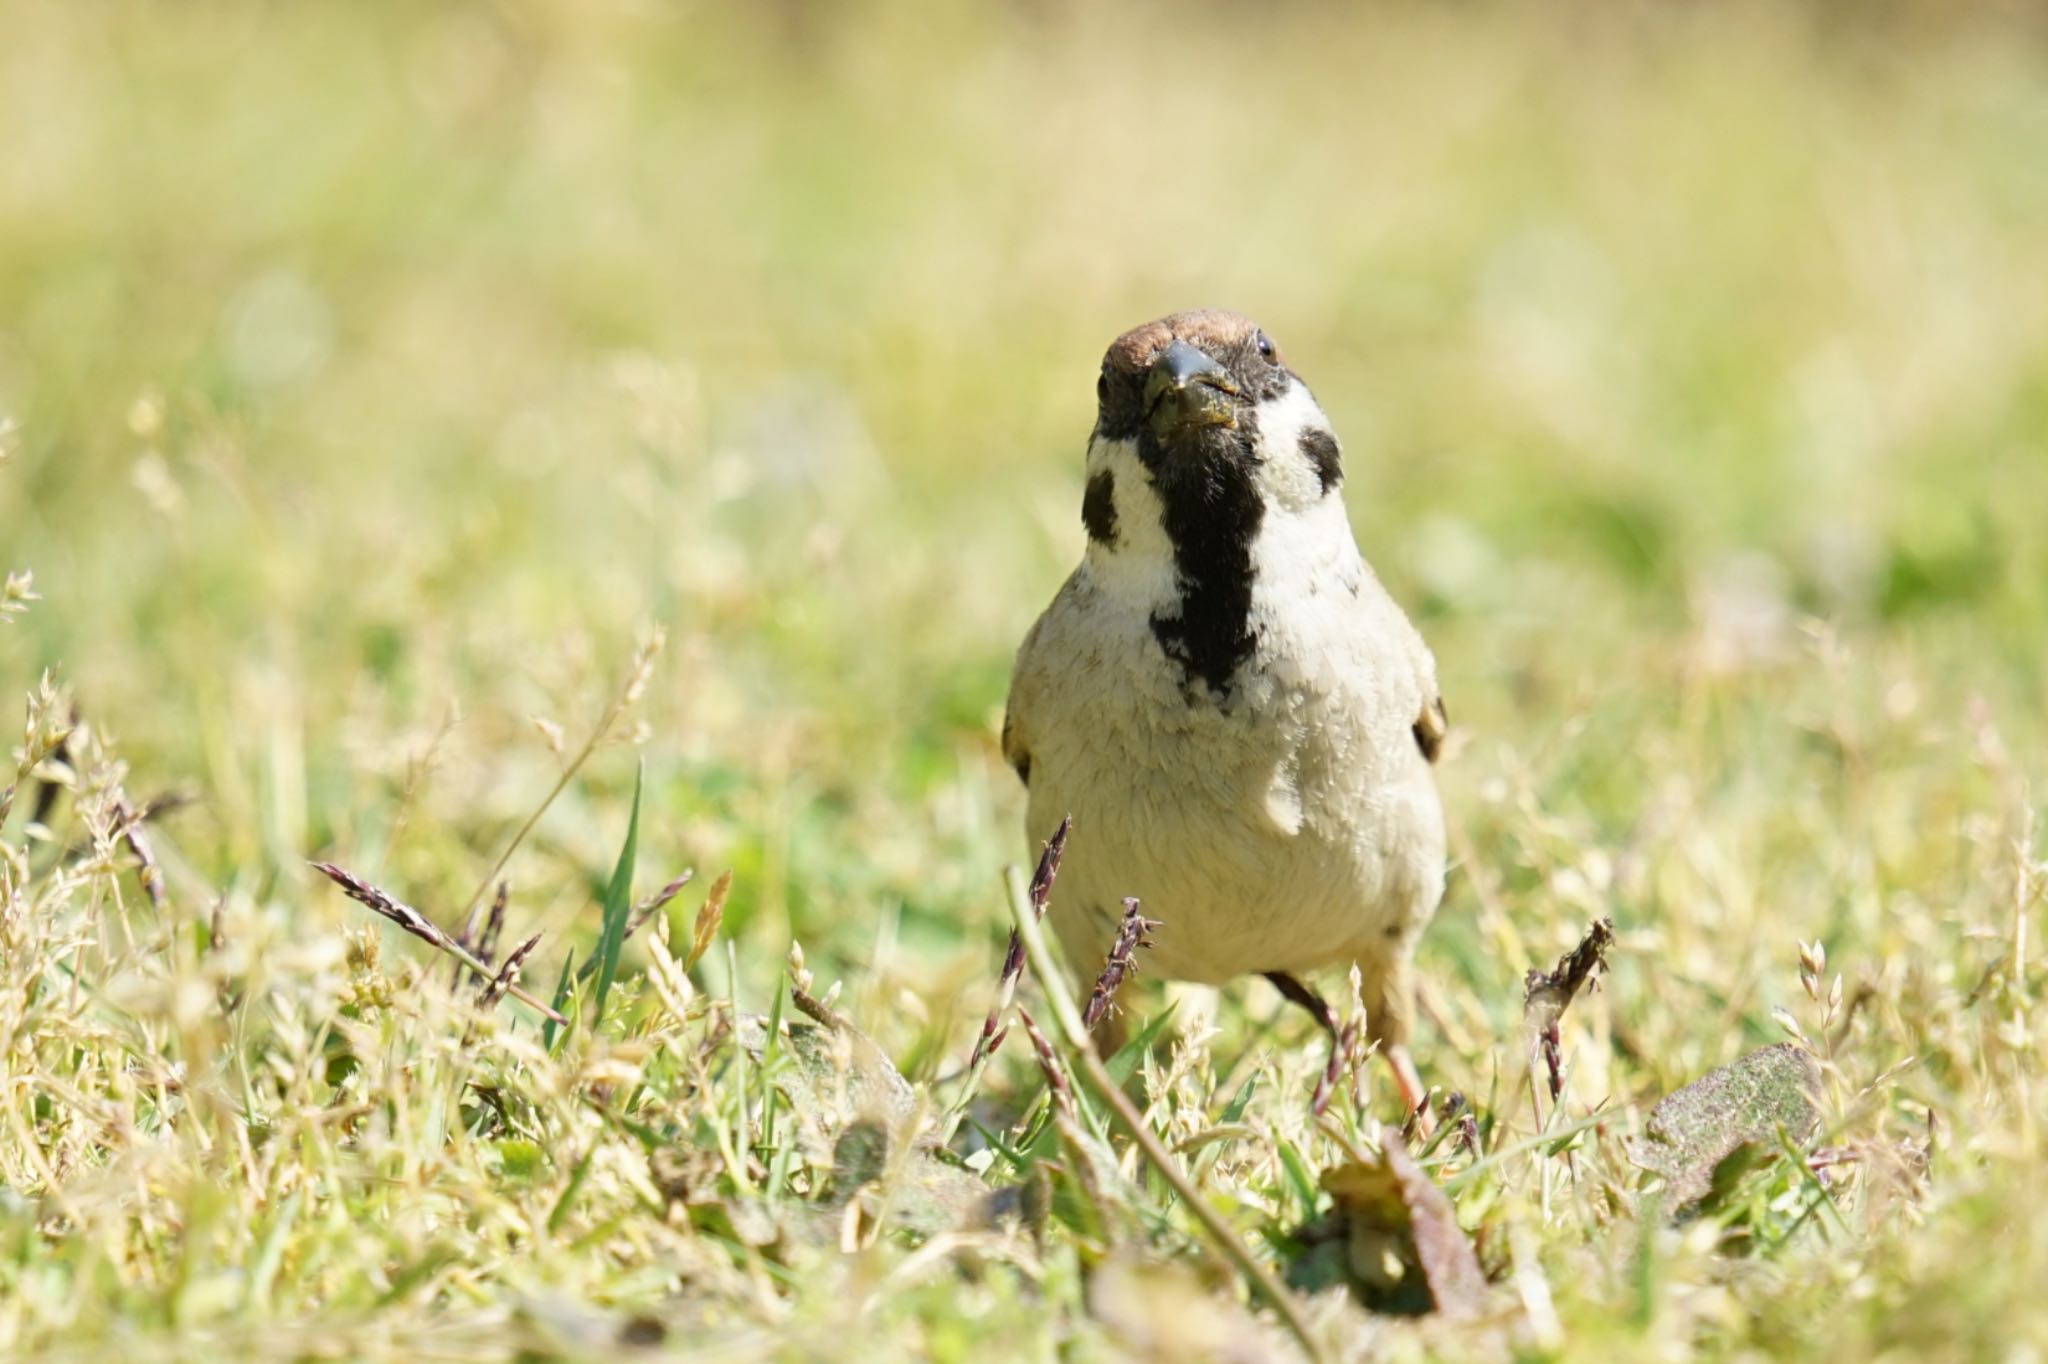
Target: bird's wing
(1017, 710)
(1431, 727)
(1432, 722)
(1013, 744)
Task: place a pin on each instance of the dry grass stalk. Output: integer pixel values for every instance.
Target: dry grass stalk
(466, 937)
(127, 819)
(1056, 1081)
(992, 1031)
(709, 915)
(148, 871)
(647, 909)
(636, 686)
(1025, 913)
(1457, 1111)
(43, 736)
(1547, 994)
(494, 924)
(1134, 932)
(508, 974)
(16, 593)
(423, 928)
(658, 901)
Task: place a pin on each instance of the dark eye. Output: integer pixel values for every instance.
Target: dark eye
(1102, 387)
(1265, 345)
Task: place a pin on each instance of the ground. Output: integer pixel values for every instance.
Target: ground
(383, 383)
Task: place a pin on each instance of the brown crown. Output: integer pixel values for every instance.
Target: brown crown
(1212, 330)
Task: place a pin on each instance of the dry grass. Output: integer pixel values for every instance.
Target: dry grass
(374, 379)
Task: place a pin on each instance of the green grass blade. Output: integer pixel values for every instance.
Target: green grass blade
(618, 906)
(575, 1185)
(564, 988)
(1125, 1062)
(1300, 1178)
(1234, 1110)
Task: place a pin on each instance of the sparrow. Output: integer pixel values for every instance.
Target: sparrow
(1240, 721)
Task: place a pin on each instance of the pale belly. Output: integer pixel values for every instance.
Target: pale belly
(1292, 842)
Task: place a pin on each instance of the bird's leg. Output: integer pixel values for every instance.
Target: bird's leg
(1390, 1007)
(1414, 1095)
(1296, 993)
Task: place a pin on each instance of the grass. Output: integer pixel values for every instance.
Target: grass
(378, 380)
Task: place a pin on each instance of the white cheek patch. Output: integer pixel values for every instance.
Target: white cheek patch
(1137, 566)
(1289, 478)
(1308, 562)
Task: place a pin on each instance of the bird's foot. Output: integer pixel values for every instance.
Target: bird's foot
(1341, 1044)
(1414, 1094)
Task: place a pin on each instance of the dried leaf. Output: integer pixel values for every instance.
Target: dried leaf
(1397, 1239)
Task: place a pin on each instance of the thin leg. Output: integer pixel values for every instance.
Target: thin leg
(1294, 992)
(1340, 1038)
(1414, 1094)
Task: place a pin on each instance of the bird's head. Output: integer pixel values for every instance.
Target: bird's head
(1200, 409)
(1186, 375)
(1211, 469)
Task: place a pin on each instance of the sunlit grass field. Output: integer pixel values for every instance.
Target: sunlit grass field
(396, 398)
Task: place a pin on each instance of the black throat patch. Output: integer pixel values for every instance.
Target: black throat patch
(1211, 512)
(1098, 508)
(1319, 447)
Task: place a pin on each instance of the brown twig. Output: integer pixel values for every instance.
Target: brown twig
(423, 928)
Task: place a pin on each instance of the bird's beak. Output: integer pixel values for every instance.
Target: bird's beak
(1185, 390)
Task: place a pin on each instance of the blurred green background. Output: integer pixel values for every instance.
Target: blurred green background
(379, 371)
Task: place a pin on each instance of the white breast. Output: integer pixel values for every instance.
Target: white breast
(1292, 827)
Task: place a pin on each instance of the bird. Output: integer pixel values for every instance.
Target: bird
(1237, 717)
